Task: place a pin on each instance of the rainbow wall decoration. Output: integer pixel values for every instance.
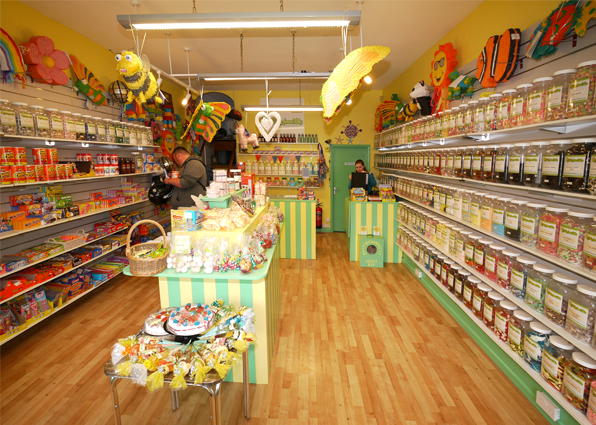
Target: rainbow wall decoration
(11, 60)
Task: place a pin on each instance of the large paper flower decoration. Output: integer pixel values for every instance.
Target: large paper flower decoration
(550, 32)
(347, 77)
(11, 60)
(46, 64)
(443, 64)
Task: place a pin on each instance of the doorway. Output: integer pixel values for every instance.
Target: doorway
(343, 158)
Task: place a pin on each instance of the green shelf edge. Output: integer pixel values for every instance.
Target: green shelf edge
(520, 378)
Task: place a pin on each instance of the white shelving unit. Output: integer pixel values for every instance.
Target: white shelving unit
(77, 180)
(36, 142)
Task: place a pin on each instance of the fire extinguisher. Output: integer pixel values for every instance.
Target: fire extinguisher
(319, 214)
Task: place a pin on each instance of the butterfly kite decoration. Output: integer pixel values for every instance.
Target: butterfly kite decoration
(206, 120)
(347, 77)
(550, 32)
(87, 83)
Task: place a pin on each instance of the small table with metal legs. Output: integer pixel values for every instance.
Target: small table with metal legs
(211, 383)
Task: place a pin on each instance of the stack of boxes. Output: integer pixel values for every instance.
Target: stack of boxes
(15, 170)
(149, 163)
(219, 187)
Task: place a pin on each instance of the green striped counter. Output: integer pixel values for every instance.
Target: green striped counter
(259, 289)
(371, 214)
(298, 237)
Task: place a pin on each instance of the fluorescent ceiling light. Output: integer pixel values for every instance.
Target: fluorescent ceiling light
(284, 108)
(263, 76)
(181, 21)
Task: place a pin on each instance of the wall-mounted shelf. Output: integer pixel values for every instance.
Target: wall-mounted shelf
(36, 142)
(70, 181)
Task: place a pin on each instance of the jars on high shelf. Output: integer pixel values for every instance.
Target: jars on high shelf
(8, 120)
(581, 91)
(556, 300)
(553, 161)
(557, 95)
(519, 276)
(502, 163)
(469, 116)
(577, 166)
(504, 109)
(519, 105)
(490, 112)
(536, 284)
(532, 166)
(515, 169)
(536, 109)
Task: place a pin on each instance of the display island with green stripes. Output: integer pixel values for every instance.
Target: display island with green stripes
(298, 239)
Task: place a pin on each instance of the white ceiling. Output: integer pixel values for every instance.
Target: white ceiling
(409, 28)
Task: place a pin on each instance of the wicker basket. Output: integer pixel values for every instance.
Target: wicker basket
(145, 266)
(80, 240)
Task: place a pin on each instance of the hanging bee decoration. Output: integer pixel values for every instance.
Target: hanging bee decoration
(138, 78)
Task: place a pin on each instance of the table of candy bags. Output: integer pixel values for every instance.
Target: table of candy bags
(228, 219)
(148, 359)
(210, 253)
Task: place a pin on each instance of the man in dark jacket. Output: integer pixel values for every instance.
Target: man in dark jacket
(192, 181)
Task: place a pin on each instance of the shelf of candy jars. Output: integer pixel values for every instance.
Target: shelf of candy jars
(543, 107)
(284, 168)
(505, 324)
(289, 181)
(290, 139)
(559, 168)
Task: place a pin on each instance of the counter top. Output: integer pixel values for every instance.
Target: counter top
(281, 198)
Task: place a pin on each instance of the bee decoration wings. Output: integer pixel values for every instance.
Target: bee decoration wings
(207, 119)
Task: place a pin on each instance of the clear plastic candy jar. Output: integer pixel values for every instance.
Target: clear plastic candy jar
(532, 169)
(549, 229)
(125, 133)
(479, 112)
(449, 162)
(449, 193)
(490, 112)
(479, 254)
(470, 247)
(592, 173)
(24, 117)
(80, 133)
(556, 300)
(134, 140)
(451, 275)
(469, 288)
(555, 355)
(553, 162)
(486, 212)
(530, 218)
(513, 214)
(577, 166)
(460, 119)
(572, 237)
(41, 121)
(488, 163)
(515, 169)
(519, 105)
(439, 266)
(480, 293)
(475, 203)
(444, 157)
(556, 95)
(519, 276)
(503, 314)
(460, 282)
(452, 240)
(447, 232)
(90, 128)
(491, 260)
(504, 267)
(465, 205)
(118, 131)
(536, 109)
(477, 164)
(498, 225)
(110, 130)
(457, 203)
(460, 243)
(470, 113)
(502, 163)
(580, 372)
(581, 90)
(8, 120)
(458, 162)
(504, 109)
(519, 323)
(55, 123)
(581, 313)
(467, 162)
(534, 341)
(491, 304)
(101, 129)
(447, 263)
(536, 286)
(590, 247)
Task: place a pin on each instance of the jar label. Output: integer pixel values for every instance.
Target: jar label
(485, 212)
(490, 112)
(416, 251)
(550, 363)
(477, 165)
(550, 165)
(437, 162)
(477, 304)
(26, 120)
(531, 164)
(592, 401)
(475, 209)
(8, 118)
(578, 314)
(514, 164)
(437, 269)
(535, 102)
(528, 224)
(517, 279)
(490, 263)
(590, 244)
(479, 257)
(569, 237)
(593, 167)
(514, 334)
(503, 270)
(498, 216)
(575, 384)
(465, 204)
(500, 322)
(56, 123)
(500, 163)
(511, 220)
(467, 161)
(503, 110)
(488, 312)
(79, 127)
(43, 122)
(91, 128)
(518, 106)
(469, 250)
(534, 289)
(554, 301)
(458, 159)
(450, 279)
(426, 259)
(554, 96)
(449, 162)
(112, 130)
(450, 200)
(101, 129)
(574, 166)
(119, 132)
(532, 349)
(442, 199)
(459, 246)
(579, 89)
(479, 115)
(488, 164)
(547, 231)
(467, 294)
(443, 161)
(133, 141)
(144, 138)
(443, 274)
(452, 121)
(458, 284)
(451, 240)
(70, 126)
(469, 116)
(460, 119)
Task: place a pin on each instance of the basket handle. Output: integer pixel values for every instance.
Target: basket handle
(142, 222)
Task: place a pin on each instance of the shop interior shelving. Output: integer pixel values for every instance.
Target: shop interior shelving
(77, 180)
(36, 142)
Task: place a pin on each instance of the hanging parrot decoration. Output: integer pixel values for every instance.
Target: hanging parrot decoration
(206, 120)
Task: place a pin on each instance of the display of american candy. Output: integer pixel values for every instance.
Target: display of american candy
(154, 323)
(191, 319)
(138, 78)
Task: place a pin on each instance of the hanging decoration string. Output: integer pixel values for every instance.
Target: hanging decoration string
(281, 5)
(293, 31)
(241, 51)
(194, 6)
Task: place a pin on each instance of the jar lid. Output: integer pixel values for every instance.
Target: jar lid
(442, 257)
(65, 112)
(36, 107)
(504, 199)
(542, 143)
(434, 251)
(464, 273)
(449, 262)
(4, 100)
(98, 118)
(450, 225)
(485, 241)
(475, 280)
(540, 80)
(19, 104)
(494, 295)
(522, 315)
(540, 328)
(51, 109)
(76, 115)
(561, 142)
(584, 360)
(456, 267)
(524, 86)
(106, 119)
(559, 342)
(475, 237)
(563, 278)
(525, 260)
(565, 71)
(491, 196)
(497, 247)
(495, 96)
(557, 209)
(470, 191)
(519, 202)
(513, 254)
(521, 144)
(484, 287)
(466, 232)
(455, 109)
(587, 63)
(587, 289)
(86, 116)
(509, 91)
(481, 193)
(543, 268)
(508, 305)
(580, 214)
(472, 102)
(447, 111)
(507, 145)
(534, 205)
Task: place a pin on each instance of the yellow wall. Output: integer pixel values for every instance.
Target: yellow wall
(470, 35)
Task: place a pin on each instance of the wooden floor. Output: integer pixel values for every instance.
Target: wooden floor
(357, 346)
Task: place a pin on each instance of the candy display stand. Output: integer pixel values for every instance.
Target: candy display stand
(371, 251)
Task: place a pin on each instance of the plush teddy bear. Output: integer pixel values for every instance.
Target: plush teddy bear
(421, 94)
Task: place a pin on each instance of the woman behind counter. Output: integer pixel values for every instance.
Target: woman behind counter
(360, 168)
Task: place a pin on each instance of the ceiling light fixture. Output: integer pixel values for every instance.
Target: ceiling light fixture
(367, 79)
(180, 21)
(349, 102)
(186, 99)
(246, 76)
(284, 108)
